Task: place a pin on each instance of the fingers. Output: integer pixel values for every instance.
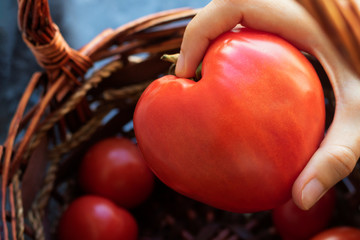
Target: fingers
(333, 161)
(283, 17)
(340, 149)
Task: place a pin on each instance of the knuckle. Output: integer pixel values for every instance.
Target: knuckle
(343, 158)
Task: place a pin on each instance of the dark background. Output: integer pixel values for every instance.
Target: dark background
(79, 21)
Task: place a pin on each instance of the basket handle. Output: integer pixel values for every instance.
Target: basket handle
(44, 39)
(61, 64)
(35, 22)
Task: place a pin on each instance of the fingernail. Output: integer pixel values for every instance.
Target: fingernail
(180, 64)
(311, 193)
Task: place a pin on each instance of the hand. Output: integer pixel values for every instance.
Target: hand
(340, 149)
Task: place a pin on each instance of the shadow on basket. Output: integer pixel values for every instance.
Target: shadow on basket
(90, 94)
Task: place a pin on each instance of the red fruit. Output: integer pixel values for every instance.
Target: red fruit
(339, 233)
(96, 218)
(115, 169)
(292, 223)
(239, 137)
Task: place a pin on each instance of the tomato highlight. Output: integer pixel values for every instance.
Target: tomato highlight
(238, 138)
(96, 218)
(114, 168)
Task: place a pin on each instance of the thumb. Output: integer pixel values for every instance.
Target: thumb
(285, 18)
(334, 160)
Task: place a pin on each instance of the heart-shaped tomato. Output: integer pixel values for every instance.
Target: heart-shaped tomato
(238, 138)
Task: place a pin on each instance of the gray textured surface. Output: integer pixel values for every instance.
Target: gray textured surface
(79, 21)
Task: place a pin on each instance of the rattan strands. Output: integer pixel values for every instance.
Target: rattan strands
(81, 88)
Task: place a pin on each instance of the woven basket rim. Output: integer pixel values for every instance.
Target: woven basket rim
(66, 83)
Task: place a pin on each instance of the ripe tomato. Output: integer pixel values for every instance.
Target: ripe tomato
(238, 138)
(339, 233)
(96, 218)
(292, 223)
(114, 168)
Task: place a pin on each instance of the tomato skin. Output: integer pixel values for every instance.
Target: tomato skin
(115, 168)
(292, 223)
(339, 233)
(238, 138)
(96, 218)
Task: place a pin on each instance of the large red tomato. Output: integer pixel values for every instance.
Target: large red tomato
(238, 138)
(339, 233)
(115, 168)
(96, 218)
(293, 223)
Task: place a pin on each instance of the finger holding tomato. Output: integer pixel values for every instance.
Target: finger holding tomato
(340, 149)
(114, 168)
(239, 137)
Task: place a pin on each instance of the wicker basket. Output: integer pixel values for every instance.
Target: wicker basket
(89, 94)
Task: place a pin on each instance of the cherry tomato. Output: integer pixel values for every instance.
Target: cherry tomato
(339, 233)
(292, 223)
(114, 168)
(96, 218)
(239, 137)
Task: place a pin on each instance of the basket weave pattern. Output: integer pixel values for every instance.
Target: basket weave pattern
(65, 118)
(89, 94)
(341, 20)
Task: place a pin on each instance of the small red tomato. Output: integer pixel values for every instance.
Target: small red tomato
(114, 168)
(96, 218)
(292, 223)
(339, 233)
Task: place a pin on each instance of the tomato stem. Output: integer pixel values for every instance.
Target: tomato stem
(198, 72)
(172, 58)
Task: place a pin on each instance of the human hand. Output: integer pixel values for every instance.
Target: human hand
(339, 151)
